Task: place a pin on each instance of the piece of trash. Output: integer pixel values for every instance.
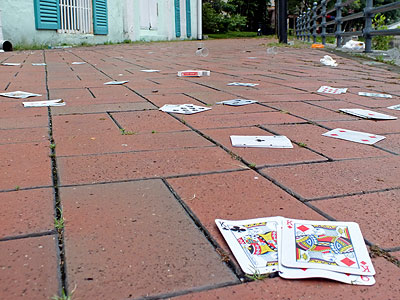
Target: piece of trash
(237, 102)
(317, 46)
(374, 95)
(243, 84)
(394, 53)
(186, 109)
(124, 145)
(291, 43)
(150, 71)
(252, 57)
(328, 61)
(78, 63)
(193, 73)
(11, 64)
(354, 136)
(294, 248)
(58, 102)
(331, 90)
(19, 94)
(60, 47)
(38, 64)
(116, 82)
(202, 50)
(275, 141)
(367, 114)
(272, 51)
(354, 45)
(1, 51)
(395, 107)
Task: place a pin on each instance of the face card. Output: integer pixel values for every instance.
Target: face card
(275, 141)
(58, 102)
(150, 71)
(242, 84)
(116, 82)
(237, 102)
(78, 63)
(11, 64)
(354, 136)
(254, 243)
(374, 95)
(331, 90)
(19, 95)
(332, 246)
(186, 109)
(395, 107)
(367, 114)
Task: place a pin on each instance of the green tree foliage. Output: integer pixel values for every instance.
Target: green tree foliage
(219, 17)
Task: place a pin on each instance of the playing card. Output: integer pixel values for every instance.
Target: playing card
(186, 109)
(150, 71)
(395, 107)
(11, 64)
(374, 95)
(78, 63)
(19, 94)
(242, 84)
(332, 246)
(116, 82)
(331, 90)
(367, 114)
(275, 141)
(237, 102)
(354, 136)
(253, 242)
(193, 73)
(38, 64)
(58, 102)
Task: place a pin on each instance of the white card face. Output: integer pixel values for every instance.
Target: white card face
(78, 63)
(150, 71)
(186, 109)
(11, 64)
(58, 102)
(333, 246)
(354, 136)
(242, 84)
(38, 64)
(331, 90)
(254, 243)
(374, 95)
(116, 82)
(19, 94)
(367, 114)
(237, 102)
(395, 107)
(275, 141)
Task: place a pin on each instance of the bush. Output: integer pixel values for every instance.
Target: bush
(380, 42)
(213, 22)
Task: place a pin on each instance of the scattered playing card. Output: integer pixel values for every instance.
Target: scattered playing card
(332, 246)
(331, 90)
(11, 64)
(354, 136)
(186, 109)
(78, 63)
(242, 84)
(150, 71)
(374, 95)
(38, 64)
(275, 141)
(367, 114)
(254, 243)
(395, 107)
(116, 82)
(193, 73)
(237, 102)
(19, 94)
(58, 102)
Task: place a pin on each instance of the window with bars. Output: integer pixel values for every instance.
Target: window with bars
(76, 16)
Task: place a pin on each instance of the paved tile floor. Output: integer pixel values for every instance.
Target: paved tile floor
(139, 189)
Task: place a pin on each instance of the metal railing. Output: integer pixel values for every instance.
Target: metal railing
(313, 22)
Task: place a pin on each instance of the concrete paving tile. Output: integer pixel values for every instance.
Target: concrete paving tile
(396, 255)
(376, 214)
(261, 156)
(211, 97)
(15, 109)
(29, 268)
(311, 135)
(25, 165)
(11, 136)
(113, 167)
(220, 109)
(391, 143)
(339, 178)
(118, 93)
(104, 258)
(26, 211)
(148, 121)
(266, 98)
(386, 287)
(370, 102)
(377, 127)
(98, 108)
(25, 122)
(71, 95)
(160, 99)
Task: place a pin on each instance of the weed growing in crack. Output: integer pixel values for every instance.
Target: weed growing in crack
(302, 145)
(252, 166)
(59, 222)
(256, 275)
(64, 295)
(17, 187)
(124, 132)
(52, 146)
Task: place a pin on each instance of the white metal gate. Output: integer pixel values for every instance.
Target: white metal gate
(76, 16)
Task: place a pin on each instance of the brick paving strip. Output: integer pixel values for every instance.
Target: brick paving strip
(139, 189)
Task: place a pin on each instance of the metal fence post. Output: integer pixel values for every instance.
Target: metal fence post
(323, 22)
(308, 24)
(315, 22)
(368, 25)
(338, 21)
(302, 26)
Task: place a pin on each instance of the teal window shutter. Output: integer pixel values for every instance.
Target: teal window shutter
(100, 16)
(177, 18)
(188, 19)
(47, 14)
